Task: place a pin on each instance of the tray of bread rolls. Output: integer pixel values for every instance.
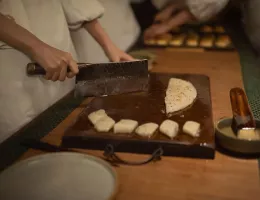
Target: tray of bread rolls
(206, 36)
(174, 115)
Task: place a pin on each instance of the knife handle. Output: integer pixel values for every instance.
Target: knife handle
(242, 114)
(35, 69)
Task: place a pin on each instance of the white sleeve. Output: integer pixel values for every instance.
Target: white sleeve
(205, 9)
(159, 4)
(79, 11)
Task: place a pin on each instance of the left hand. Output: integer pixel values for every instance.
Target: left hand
(116, 55)
(167, 22)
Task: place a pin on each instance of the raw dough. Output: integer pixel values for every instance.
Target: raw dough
(94, 117)
(169, 128)
(146, 130)
(179, 95)
(191, 128)
(125, 126)
(105, 124)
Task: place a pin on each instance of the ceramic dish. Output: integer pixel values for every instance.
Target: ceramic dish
(228, 140)
(63, 176)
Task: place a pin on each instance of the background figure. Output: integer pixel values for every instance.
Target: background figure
(177, 12)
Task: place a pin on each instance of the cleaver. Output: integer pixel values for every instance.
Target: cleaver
(102, 79)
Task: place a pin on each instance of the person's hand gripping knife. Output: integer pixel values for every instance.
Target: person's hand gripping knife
(186, 12)
(54, 61)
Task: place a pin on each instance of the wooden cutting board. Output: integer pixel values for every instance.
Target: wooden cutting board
(149, 107)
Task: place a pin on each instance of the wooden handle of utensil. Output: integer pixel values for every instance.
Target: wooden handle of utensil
(33, 69)
(242, 115)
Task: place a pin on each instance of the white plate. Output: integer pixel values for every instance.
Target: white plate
(54, 176)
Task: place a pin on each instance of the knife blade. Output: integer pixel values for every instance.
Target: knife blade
(105, 78)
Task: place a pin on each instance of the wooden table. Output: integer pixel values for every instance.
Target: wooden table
(181, 178)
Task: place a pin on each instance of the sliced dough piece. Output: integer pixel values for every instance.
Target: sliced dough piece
(193, 40)
(146, 130)
(95, 116)
(191, 128)
(179, 95)
(105, 124)
(169, 128)
(125, 126)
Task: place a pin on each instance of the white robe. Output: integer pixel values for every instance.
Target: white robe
(22, 98)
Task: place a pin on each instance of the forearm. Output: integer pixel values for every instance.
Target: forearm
(16, 36)
(97, 32)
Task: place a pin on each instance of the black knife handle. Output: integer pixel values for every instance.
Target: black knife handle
(33, 69)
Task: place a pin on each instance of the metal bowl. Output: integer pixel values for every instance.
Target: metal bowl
(229, 141)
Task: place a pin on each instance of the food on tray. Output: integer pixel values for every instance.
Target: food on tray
(169, 128)
(146, 130)
(94, 117)
(193, 40)
(206, 29)
(179, 95)
(163, 40)
(223, 41)
(150, 41)
(125, 126)
(191, 128)
(248, 134)
(105, 124)
(219, 29)
(176, 29)
(177, 40)
(207, 41)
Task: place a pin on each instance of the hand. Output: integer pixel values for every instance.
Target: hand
(55, 62)
(167, 22)
(116, 55)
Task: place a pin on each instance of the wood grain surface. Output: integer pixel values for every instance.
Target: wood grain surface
(224, 178)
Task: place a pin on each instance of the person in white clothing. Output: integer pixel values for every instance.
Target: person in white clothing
(187, 11)
(38, 30)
